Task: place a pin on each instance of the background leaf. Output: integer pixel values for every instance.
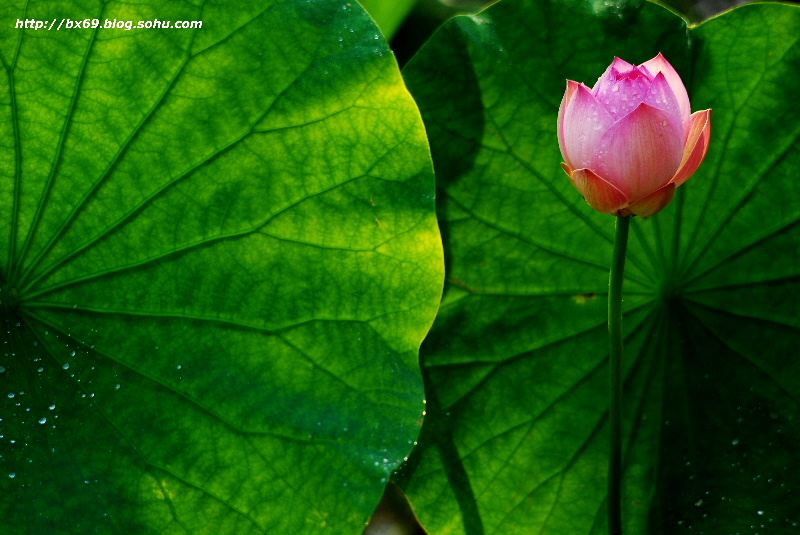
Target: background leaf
(219, 257)
(389, 16)
(515, 440)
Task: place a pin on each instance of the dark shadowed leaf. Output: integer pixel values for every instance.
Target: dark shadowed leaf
(516, 436)
(218, 258)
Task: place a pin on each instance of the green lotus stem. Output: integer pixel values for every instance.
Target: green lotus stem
(616, 277)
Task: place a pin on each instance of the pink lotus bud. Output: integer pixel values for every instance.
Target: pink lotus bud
(629, 141)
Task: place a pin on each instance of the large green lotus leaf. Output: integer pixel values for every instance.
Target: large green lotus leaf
(219, 257)
(516, 437)
(389, 16)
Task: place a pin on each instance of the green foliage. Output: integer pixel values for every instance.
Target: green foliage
(388, 15)
(516, 436)
(218, 258)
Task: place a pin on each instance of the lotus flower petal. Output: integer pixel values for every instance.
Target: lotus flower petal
(582, 125)
(599, 193)
(696, 146)
(653, 203)
(659, 64)
(641, 152)
(569, 94)
(660, 95)
(609, 78)
(622, 97)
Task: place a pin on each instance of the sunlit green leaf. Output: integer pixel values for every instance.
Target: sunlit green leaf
(516, 436)
(389, 16)
(218, 258)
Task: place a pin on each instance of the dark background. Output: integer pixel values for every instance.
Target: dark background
(428, 15)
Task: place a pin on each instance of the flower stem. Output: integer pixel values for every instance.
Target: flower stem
(615, 365)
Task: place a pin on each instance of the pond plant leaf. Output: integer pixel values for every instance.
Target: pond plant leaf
(516, 438)
(218, 258)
